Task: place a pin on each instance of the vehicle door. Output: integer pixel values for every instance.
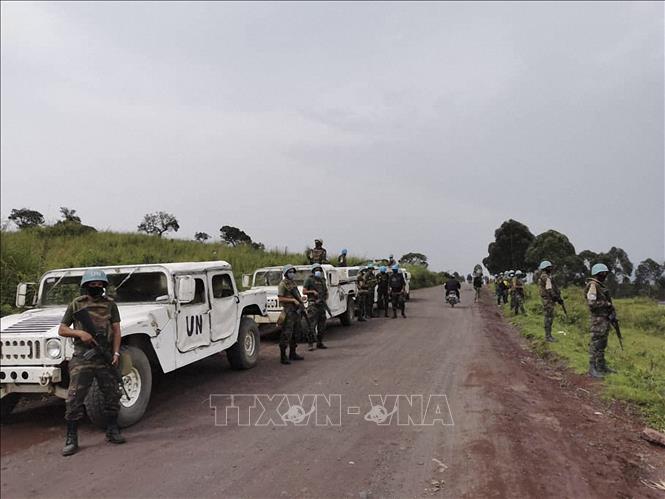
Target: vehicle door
(193, 324)
(336, 296)
(224, 299)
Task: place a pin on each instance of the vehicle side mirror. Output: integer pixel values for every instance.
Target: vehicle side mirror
(186, 289)
(22, 291)
(246, 280)
(333, 277)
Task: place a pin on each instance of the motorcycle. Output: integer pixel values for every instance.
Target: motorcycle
(452, 299)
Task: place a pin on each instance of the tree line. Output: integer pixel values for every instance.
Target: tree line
(515, 247)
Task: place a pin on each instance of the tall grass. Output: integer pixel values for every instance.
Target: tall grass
(640, 377)
(26, 255)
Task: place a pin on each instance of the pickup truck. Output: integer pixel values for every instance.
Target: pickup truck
(172, 314)
(341, 291)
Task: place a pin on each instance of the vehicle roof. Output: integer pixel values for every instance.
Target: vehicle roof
(324, 266)
(174, 268)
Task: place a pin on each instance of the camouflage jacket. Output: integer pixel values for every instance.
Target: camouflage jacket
(318, 255)
(382, 280)
(598, 298)
(287, 289)
(103, 312)
(548, 289)
(318, 284)
(341, 261)
(518, 283)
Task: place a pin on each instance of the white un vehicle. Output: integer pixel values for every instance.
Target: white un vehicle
(341, 291)
(172, 314)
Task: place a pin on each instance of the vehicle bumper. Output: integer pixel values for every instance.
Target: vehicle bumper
(29, 379)
(269, 318)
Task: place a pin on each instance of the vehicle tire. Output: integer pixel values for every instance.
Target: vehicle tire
(7, 404)
(244, 353)
(347, 317)
(138, 384)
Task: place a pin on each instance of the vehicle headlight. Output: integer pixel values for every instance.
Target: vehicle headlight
(53, 348)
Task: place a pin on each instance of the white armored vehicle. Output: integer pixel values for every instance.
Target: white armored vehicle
(341, 290)
(172, 314)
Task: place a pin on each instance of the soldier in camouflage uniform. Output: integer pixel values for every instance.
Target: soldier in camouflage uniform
(341, 259)
(549, 293)
(517, 291)
(104, 313)
(383, 290)
(363, 285)
(318, 254)
(291, 302)
(371, 291)
(316, 290)
(602, 314)
(397, 287)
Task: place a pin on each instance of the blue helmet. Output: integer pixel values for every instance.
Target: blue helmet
(92, 275)
(598, 268)
(344, 251)
(395, 268)
(370, 266)
(286, 268)
(544, 264)
(316, 266)
(383, 269)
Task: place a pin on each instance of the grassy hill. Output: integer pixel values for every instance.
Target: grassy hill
(641, 366)
(26, 255)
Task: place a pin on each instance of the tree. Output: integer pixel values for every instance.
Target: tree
(69, 215)
(620, 266)
(555, 247)
(234, 236)
(649, 276)
(25, 218)
(201, 237)
(508, 250)
(414, 259)
(158, 223)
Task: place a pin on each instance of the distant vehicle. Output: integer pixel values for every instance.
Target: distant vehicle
(172, 314)
(452, 299)
(342, 290)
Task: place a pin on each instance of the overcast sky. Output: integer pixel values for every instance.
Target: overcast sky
(380, 127)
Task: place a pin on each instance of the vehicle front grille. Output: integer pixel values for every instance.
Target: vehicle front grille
(18, 350)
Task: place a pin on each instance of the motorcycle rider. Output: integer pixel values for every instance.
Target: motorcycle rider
(453, 286)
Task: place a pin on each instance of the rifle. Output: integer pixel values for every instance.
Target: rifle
(563, 306)
(301, 308)
(101, 344)
(615, 324)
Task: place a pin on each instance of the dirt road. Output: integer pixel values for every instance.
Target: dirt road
(519, 427)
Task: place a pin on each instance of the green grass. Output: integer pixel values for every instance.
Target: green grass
(26, 255)
(640, 379)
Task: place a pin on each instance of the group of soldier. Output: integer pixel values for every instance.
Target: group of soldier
(599, 301)
(389, 287)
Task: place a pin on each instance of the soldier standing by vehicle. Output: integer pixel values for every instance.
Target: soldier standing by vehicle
(397, 286)
(363, 290)
(318, 254)
(382, 290)
(391, 260)
(104, 313)
(518, 293)
(602, 315)
(341, 260)
(550, 295)
(291, 301)
(371, 290)
(317, 293)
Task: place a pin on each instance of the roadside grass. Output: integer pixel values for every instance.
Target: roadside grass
(640, 377)
(25, 255)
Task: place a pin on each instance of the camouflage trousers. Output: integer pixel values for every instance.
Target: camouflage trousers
(290, 328)
(397, 299)
(600, 330)
(517, 302)
(361, 301)
(81, 375)
(383, 299)
(548, 310)
(317, 319)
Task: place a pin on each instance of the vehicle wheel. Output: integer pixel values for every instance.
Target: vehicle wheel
(245, 352)
(347, 317)
(7, 404)
(138, 384)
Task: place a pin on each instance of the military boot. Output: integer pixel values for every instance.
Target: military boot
(604, 368)
(403, 313)
(72, 439)
(593, 370)
(282, 356)
(293, 355)
(310, 347)
(113, 434)
(319, 343)
(548, 336)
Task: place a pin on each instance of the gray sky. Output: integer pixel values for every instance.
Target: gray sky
(380, 127)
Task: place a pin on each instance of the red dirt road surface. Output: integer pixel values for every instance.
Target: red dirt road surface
(514, 426)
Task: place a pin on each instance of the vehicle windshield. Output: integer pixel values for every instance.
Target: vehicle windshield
(139, 287)
(273, 277)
